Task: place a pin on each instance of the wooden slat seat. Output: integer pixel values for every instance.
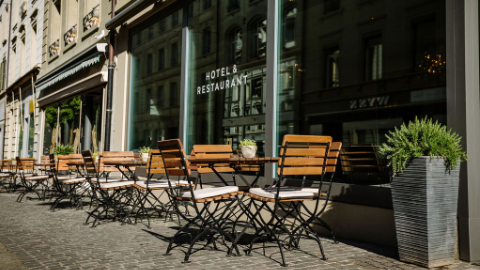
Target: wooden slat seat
(212, 151)
(116, 185)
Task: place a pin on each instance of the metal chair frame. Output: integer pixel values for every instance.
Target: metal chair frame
(209, 221)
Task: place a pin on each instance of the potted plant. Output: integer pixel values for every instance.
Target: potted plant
(95, 156)
(14, 161)
(63, 150)
(424, 157)
(248, 148)
(144, 153)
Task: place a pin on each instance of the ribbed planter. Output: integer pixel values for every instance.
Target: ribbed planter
(425, 208)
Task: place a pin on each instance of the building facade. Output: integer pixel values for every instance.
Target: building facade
(216, 72)
(21, 34)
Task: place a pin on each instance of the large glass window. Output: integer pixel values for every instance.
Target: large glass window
(355, 75)
(154, 93)
(76, 122)
(226, 88)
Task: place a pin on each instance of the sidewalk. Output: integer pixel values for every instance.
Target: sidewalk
(9, 260)
(58, 240)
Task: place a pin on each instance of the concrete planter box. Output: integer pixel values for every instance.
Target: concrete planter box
(425, 209)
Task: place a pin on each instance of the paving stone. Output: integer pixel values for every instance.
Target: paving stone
(58, 240)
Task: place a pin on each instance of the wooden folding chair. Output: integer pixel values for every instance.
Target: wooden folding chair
(109, 196)
(29, 182)
(6, 173)
(311, 157)
(66, 186)
(206, 151)
(107, 170)
(209, 219)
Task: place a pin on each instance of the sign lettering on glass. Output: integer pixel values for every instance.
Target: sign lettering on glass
(369, 102)
(225, 84)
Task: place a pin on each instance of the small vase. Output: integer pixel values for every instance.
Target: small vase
(144, 157)
(249, 151)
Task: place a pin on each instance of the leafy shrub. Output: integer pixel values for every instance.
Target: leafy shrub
(422, 138)
(247, 142)
(145, 149)
(62, 150)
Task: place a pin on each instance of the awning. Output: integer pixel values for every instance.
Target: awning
(84, 60)
(132, 10)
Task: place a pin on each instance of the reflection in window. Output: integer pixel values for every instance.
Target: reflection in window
(236, 46)
(374, 59)
(148, 100)
(149, 63)
(150, 31)
(289, 31)
(174, 19)
(233, 5)
(174, 53)
(161, 59)
(259, 40)
(173, 94)
(207, 4)
(332, 75)
(162, 25)
(206, 38)
(160, 97)
(330, 6)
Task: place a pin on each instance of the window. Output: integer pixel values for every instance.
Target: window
(258, 39)
(330, 6)
(173, 94)
(336, 79)
(150, 31)
(160, 97)
(150, 96)
(289, 28)
(162, 25)
(174, 53)
(206, 39)
(233, 5)
(373, 59)
(149, 63)
(190, 11)
(332, 76)
(235, 48)
(3, 70)
(161, 59)
(174, 19)
(55, 21)
(207, 4)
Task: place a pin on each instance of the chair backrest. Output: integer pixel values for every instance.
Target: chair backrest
(208, 151)
(155, 163)
(62, 165)
(74, 158)
(6, 164)
(114, 155)
(89, 164)
(25, 163)
(173, 157)
(308, 155)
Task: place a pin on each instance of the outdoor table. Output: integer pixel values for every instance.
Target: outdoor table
(127, 163)
(234, 162)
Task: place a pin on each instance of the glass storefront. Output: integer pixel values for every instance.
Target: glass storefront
(227, 73)
(26, 123)
(352, 70)
(76, 122)
(355, 71)
(155, 82)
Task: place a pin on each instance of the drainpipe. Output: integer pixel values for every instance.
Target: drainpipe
(111, 69)
(7, 66)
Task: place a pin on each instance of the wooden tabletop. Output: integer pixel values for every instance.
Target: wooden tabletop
(131, 162)
(257, 160)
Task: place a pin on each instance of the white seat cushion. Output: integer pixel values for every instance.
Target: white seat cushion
(180, 182)
(73, 180)
(36, 178)
(209, 192)
(285, 192)
(312, 190)
(116, 184)
(65, 177)
(153, 184)
(4, 175)
(107, 180)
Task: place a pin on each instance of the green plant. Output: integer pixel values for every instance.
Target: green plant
(63, 149)
(95, 155)
(422, 138)
(247, 142)
(144, 149)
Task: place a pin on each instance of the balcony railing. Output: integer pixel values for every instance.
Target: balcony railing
(70, 36)
(54, 48)
(92, 18)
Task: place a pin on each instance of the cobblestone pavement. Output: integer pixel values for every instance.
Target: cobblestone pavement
(58, 240)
